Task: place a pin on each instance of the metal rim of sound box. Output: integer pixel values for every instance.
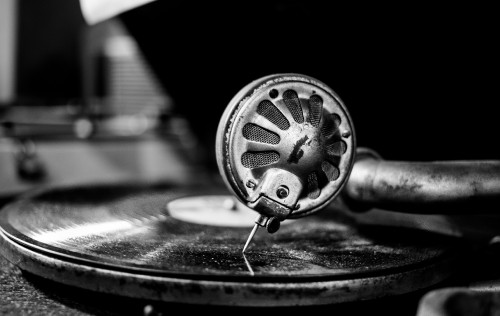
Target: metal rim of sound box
(231, 142)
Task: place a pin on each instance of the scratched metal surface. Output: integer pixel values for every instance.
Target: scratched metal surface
(128, 227)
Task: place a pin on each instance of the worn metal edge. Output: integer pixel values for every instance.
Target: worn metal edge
(222, 293)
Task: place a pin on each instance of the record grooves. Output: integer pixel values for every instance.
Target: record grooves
(123, 239)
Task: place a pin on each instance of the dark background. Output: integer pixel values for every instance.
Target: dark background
(420, 82)
(48, 55)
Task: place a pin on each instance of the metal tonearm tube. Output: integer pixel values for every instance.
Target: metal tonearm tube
(441, 187)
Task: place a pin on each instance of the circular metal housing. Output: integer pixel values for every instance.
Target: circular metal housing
(292, 123)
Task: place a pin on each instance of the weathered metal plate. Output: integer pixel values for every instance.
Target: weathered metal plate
(124, 240)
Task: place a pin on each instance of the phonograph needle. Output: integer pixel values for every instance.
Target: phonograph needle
(261, 221)
(252, 233)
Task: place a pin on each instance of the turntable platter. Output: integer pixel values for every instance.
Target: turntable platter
(162, 243)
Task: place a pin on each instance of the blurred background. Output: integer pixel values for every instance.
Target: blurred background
(139, 96)
(80, 104)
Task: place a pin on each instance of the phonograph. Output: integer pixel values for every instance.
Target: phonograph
(297, 183)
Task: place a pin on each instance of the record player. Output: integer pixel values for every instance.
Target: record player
(358, 172)
(342, 229)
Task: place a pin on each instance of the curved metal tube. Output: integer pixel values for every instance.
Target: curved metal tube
(449, 187)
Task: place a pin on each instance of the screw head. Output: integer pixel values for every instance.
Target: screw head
(282, 192)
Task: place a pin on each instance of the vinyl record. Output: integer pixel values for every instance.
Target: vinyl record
(180, 245)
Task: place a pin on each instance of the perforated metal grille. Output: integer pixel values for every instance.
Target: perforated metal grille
(292, 102)
(253, 160)
(312, 186)
(315, 109)
(336, 149)
(268, 110)
(259, 134)
(330, 125)
(332, 173)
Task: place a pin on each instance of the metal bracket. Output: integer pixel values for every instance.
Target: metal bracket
(277, 194)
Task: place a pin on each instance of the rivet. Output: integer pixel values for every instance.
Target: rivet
(251, 184)
(273, 93)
